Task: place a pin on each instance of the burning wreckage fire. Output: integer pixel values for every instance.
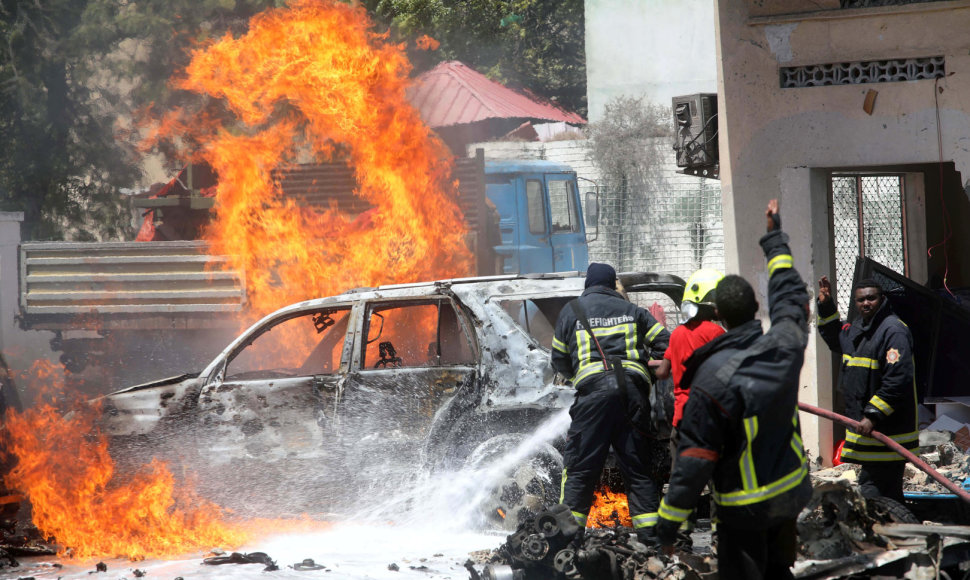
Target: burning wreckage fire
(278, 96)
(273, 96)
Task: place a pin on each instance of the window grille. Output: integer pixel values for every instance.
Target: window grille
(868, 220)
(860, 72)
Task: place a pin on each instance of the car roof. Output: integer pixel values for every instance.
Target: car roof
(511, 284)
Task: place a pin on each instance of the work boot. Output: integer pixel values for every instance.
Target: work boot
(648, 537)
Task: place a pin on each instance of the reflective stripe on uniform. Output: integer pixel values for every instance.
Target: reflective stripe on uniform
(796, 439)
(823, 321)
(779, 262)
(765, 492)
(562, 486)
(871, 455)
(644, 520)
(749, 479)
(580, 519)
(902, 438)
(636, 367)
(654, 331)
(560, 345)
(882, 405)
(671, 513)
(860, 361)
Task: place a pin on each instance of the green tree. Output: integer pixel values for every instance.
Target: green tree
(72, 72)
(532, 44)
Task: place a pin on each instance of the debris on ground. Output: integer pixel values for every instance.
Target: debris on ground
(308, 564)
(552, 545)
(842, 533)
(19, 538)
(240, 558)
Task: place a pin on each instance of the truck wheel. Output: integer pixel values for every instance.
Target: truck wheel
(517, 483)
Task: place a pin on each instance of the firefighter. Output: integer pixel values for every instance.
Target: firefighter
(740, 426)
(877, 378)
(604, 343)
(699, 327)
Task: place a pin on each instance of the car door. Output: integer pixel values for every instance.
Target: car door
(277, 393)
(411, 356)
(567, 235)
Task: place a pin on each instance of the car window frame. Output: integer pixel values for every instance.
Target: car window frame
(360, 336)
(247, 338)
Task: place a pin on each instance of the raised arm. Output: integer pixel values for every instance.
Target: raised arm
(787, 296)
(829, 323)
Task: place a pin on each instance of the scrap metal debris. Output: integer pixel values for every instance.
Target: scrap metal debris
(552, 545)
(308, 564)
(844, 534)
(239, 558)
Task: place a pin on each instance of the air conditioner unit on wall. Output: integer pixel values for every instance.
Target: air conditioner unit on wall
(695, 124)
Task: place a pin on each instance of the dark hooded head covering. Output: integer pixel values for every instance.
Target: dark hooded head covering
(601, 275)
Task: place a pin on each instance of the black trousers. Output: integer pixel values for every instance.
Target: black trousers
(600, 420)
(883, 478)
(756, 554)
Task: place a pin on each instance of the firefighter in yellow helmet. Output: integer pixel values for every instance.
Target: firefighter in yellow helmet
(697, 329)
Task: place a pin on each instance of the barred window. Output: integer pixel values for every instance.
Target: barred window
(868, 217)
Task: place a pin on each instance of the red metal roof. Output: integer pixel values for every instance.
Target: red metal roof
(454, 94)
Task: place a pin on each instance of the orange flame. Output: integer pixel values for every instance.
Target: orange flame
(61, 463)
(313, 83)
(609, 510)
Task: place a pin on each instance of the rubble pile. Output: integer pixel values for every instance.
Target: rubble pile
(552, 546)
(938, 449)
(843, 534)
(836, 523)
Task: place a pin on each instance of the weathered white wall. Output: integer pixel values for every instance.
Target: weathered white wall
(778, 142)
(656, 49)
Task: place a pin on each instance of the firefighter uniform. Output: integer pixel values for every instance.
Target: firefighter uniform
(740, 429)
(877, 379)
(602, 414)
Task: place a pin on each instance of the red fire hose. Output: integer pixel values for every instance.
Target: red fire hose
(854, 425)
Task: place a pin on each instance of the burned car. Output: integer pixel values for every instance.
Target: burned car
(364, 387)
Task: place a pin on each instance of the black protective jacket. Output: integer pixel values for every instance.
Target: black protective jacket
(877, 378)
(622, 328)
(740, 426)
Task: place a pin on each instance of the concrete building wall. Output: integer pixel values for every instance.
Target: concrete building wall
(783, 142)
(655, 49)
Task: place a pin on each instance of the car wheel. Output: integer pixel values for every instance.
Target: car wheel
(889, 511)
(517, 483)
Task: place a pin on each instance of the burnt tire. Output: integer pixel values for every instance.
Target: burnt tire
(889, 511)
(516, 485)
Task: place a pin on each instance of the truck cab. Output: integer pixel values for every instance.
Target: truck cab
(541, 225)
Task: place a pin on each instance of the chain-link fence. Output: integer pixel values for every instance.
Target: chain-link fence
(868, 221)
(674, 230)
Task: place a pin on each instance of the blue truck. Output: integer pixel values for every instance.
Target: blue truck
(541, 223)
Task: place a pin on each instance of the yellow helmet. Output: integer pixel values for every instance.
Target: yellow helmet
(700, 285)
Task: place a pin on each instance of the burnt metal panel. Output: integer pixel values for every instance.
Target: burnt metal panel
(58, 279)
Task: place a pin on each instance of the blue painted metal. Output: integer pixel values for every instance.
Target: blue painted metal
(530, 242)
